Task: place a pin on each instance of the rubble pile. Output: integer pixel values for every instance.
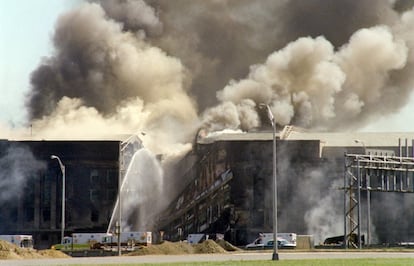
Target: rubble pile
(175, 248)
(11, 251)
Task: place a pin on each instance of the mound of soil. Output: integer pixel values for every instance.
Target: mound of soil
(167, 248)
(51, 253)
(177, 248)
(208, 246)
(227, 246)
(11, 251)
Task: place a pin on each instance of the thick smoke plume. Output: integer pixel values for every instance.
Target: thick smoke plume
(170, 67)
(317, 64)
(103, 80)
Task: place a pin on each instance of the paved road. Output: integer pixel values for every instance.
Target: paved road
(206, 257)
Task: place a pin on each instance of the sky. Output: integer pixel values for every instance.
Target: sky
(26, 28)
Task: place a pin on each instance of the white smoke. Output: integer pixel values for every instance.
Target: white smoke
(17, 166)
(116, 83)
(326, 218)
(135, 15)
(309, 84)
(141, 190)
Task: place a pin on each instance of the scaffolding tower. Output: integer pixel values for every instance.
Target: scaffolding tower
(371, 173)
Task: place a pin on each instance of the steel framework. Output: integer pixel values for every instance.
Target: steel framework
(371, 173)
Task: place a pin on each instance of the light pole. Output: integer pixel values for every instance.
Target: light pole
(368, 197)
(275, 255)
(362, 143)
(62, 168)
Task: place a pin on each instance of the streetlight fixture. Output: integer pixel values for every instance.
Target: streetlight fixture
(362, 143)
(368, 198)
(275, 255)
(62, 168)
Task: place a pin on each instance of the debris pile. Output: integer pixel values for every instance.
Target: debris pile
(176, 248)
(227, 245)
(11, 251)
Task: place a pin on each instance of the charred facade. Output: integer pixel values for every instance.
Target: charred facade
(92, 170)
(224, 185)
(231, 190)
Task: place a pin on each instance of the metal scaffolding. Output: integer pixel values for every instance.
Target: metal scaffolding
(371, 173)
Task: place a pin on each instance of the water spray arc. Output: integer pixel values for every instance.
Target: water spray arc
(121, 182)
(62, 168)
(140, 190)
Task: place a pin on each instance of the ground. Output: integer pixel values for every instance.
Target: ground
(10, 251)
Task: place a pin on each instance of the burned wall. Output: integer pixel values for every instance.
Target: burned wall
(91, 173)
(231, 193)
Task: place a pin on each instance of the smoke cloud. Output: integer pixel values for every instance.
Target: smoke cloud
(103, 80)
(170, 67)
(143, 180)
(18, 165)
(143, 65)
(309, 84)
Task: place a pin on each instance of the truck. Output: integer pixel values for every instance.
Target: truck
(107, 241)
(265, 240)
(23, 241)
(81, 241)
(129, 240)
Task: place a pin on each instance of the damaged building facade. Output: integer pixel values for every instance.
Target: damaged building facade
(229, 188)
(224, 186)
(32, 181)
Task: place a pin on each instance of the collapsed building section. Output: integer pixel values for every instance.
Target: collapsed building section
(229, 187)
(231, 192)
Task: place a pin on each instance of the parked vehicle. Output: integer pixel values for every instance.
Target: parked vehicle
(104, 240)
(23, 241)
(81, 241)
(265, 240)
(129, 240)
(195, 238)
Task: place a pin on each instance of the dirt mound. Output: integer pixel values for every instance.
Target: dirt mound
(176, 248)
(208, 246)
(51, 253)
(11, 251)
(167, 248)
(227, 246)
(7, 246)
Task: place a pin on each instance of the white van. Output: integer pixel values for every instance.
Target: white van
(265, 240)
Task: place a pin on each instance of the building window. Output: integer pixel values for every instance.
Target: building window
(94, 216)
(29, 214)
(111, 194)
(112, 178)
(94, 178)
(46, 215)
(94, 195)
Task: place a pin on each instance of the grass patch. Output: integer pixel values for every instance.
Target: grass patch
(307, 262)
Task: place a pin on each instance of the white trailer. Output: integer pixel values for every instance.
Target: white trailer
(23, 241)
(86, 238)
(105, 240)
(129, 240)
(82, 241)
